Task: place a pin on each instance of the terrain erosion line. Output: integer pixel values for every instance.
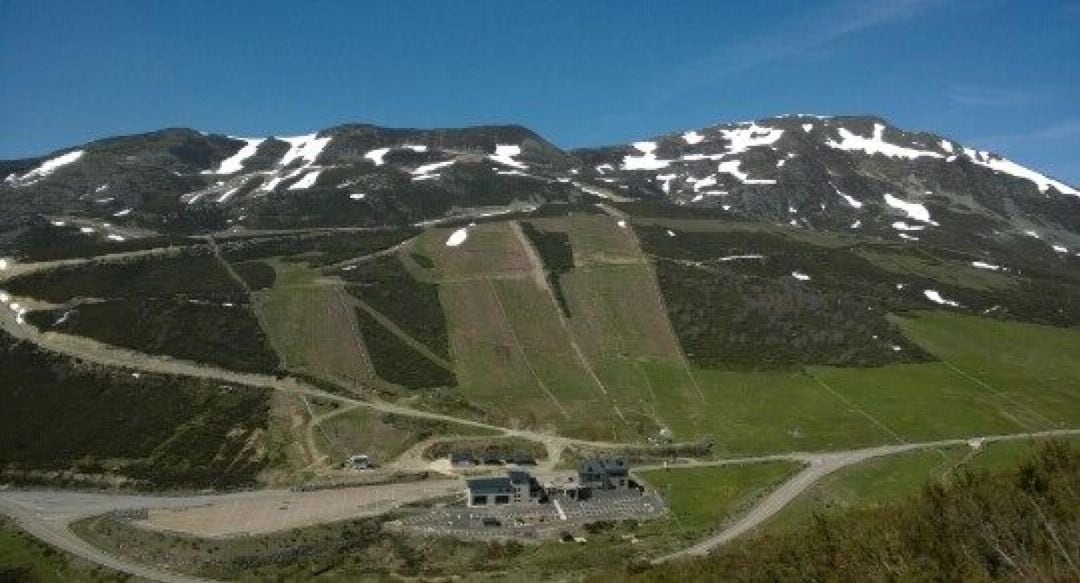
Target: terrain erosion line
(655, 285)
(392, 327)
(521, 349)
(539, 277)
(881, 425)
(999, 393)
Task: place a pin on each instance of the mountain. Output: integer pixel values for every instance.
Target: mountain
(841, 174)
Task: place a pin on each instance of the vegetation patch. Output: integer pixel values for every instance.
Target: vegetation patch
(192, 273)
(702, 499)
(397, 362)
(384, 284)
(980, 527)
(46, 242)
(258, 275)
(61, 417)
(315, 249)
(502, 448)
(227, 335)
(383, 436)
(24, 558)
(557, 256)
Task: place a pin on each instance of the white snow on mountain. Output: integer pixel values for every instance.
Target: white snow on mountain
(902, 226)
(692, 137)
(984, 265)
(753, 135)
(876, 144)
(428, 169)
(848, 198)
(800, 276)
(504, 154)
(235, 163)
(913, 210)
(935, 297)
(1005, 166)
(305, 148)
(50, 166)
(457, 237)
(307, 181)
(732, 167)
(704, 182)
(376, 155)
(806, 127)
(647, 160)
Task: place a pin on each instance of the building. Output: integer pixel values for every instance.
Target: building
(517, 487)
(604, 474)
(359, 462)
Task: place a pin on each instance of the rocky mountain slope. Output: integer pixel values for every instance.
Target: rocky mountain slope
(841, 174)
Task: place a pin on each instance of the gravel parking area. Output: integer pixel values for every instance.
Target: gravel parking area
(534, 521)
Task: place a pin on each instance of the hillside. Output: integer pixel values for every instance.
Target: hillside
(184, 311)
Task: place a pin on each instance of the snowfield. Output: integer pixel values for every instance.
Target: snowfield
(913, 210)
(732, 167)
(935, 297)
(50, 166)
(876, 144)
(457, 237)
(647, 160)
(235, 163)
(692, 137)
(306, 148)
(307, 181)
(505, 153)
(1006, 166)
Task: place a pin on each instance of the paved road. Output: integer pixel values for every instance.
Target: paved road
(818, 466)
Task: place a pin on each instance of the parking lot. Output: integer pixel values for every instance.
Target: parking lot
(534, 521)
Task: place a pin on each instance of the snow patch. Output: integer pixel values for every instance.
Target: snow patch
(425, 172)
(357, 196)
(307, 181)
(621, 223)
(856, 224)
(876, 144)
(377, 155)
(235, 163)
(692, 137)
(122, 213)
(984, 265)
(935, 297)
(753, 135)
(1059, 249)
(228, 193)
(305, 148)
(50, 166)
(732, 167)
(902, 226)
(457, 237)
(114, 237)
(913, 210)
(739, 257)
(504, 154)
(800, 276)
(670, 233)
(1006, 166)
(647, 160)
(806, 127)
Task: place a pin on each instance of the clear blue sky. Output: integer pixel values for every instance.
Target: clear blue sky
(999, 74)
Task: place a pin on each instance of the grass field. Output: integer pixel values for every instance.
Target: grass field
(702, 499)
(382, 436)
(312, 325)
(881, 481)
(24, 558)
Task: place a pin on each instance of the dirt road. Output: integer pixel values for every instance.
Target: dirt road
(818, 466)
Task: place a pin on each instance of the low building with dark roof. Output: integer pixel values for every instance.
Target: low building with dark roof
(517, 487)
(604, 474)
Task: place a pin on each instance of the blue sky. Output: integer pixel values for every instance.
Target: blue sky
(998, 74)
